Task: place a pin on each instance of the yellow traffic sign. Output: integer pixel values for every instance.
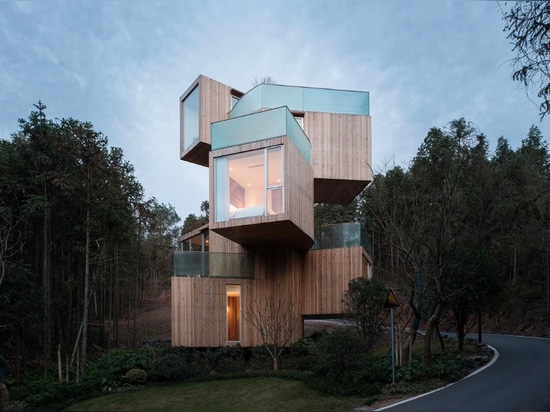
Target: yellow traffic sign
(391, 300)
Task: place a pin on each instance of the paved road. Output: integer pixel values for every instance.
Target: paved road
(519, 380)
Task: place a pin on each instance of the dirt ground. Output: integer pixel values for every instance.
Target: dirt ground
(151, 323)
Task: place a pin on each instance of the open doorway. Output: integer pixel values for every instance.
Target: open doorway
(233, 298)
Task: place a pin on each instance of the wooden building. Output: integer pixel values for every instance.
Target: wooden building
(272, 153)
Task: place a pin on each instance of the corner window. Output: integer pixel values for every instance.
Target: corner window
(300, 120)
(249, 184)
(190, 118)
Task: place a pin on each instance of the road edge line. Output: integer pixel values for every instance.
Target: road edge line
(488, 364)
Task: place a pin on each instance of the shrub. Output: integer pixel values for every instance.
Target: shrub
(47, 393)
(110, 367)
(261, 360)
(229, 359)
(135, 376)
(343, 367)
(444, 365)
(170, 367)
(301, 355)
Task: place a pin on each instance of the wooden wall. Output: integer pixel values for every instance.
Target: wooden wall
(341, 155)
(326, 275)
(341, 145)
(315, 281)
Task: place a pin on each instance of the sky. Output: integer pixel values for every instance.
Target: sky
(123, 64)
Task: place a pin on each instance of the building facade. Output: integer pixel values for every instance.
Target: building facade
(272, 153)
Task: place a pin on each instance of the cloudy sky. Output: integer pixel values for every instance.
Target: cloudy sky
(122, 65)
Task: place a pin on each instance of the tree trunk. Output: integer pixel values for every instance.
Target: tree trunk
(86, 295)
(430, 327)
(46, 289)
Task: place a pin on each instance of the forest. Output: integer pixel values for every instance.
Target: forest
(80, 245)
(460, 233)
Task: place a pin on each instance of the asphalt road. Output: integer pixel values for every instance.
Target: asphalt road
(519, 380)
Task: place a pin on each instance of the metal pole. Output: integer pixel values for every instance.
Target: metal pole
(479, 325)
(392, 349)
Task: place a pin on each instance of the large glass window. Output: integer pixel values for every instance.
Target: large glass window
(190, 114)
(249, 184)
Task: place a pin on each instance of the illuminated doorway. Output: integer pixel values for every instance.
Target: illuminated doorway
(233, 297)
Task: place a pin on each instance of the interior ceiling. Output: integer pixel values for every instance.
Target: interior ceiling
(248, 171)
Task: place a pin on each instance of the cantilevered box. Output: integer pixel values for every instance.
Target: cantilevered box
(204, 102)
(261, 176)
(338, 125)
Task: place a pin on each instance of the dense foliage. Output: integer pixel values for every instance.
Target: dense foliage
(458, 233)
(528, 29)
(80, 246)
(337, 363)
(462, 231)
(363, 304)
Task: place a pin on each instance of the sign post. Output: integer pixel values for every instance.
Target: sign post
(392, 302)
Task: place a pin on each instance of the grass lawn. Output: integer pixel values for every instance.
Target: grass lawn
(246, 394)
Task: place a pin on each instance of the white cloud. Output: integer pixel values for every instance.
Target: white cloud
(123, 65)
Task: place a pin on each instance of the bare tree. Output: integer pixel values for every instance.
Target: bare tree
(263, 80)
(8, 245)
(277, 320)
(528, 29)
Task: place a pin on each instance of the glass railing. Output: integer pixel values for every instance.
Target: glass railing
(210, 264)
(260, 126)
(341, 235)
(265, 96)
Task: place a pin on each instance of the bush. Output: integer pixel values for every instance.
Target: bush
(47, 393)
(260, 359)
(135, 376)
(229, 359)
(300, 356)
(170, 367)
(342, 366)
(110, 367)
(444, 365)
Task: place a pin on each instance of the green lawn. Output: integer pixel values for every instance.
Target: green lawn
(247, 394)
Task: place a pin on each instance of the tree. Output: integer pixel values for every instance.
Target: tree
(71, 202)
(160, 240)
(193, 221)
(263, 80)
(328, 214)
(528, 25)
(277, 320)
(424, 214)
(363, 303)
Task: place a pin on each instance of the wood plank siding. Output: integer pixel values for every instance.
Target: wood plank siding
(315, 281)
(333, 165)
(341, 155)
(214, 105)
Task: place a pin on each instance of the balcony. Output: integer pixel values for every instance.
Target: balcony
(341, 236)
(259, 126)
(211, 264)
(266, 96)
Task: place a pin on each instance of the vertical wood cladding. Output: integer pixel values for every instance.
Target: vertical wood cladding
(315, 281)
